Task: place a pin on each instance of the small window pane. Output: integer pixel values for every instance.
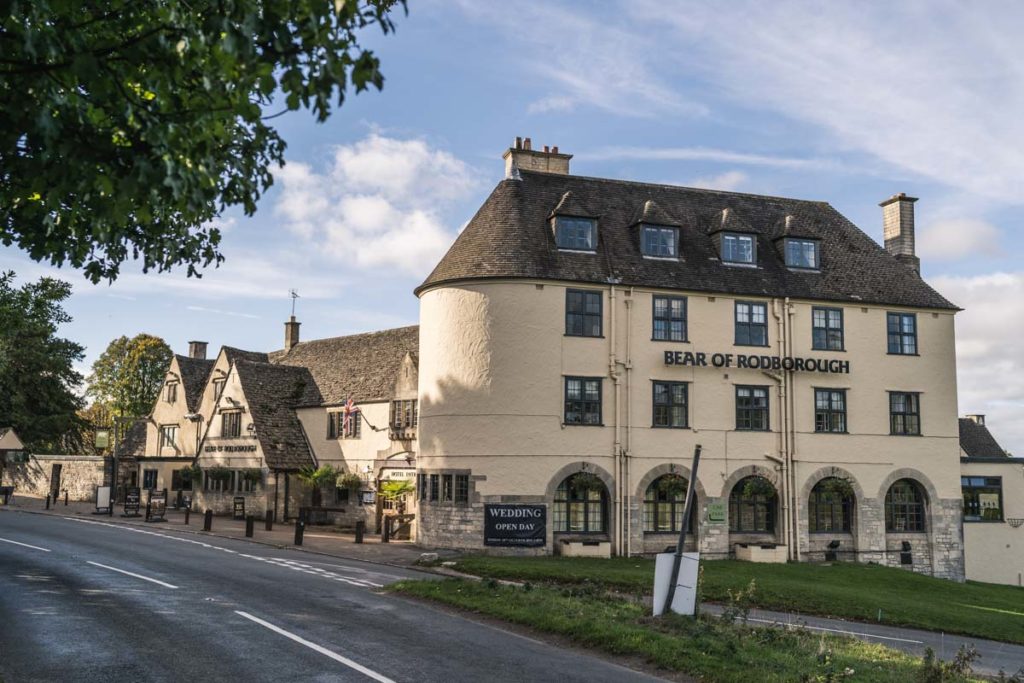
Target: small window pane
(737, 248)
(669, 318)
(576, 233)
(659, 241)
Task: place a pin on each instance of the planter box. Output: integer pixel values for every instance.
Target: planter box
(584, 548)
(768, 552)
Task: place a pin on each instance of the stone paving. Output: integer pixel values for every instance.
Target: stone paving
(324, 540)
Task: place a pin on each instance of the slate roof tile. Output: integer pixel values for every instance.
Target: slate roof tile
(272, 392)
(194, 373)
(977, 442)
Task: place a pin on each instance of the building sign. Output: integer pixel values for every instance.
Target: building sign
(395, 474)
(222, 448)
(521, 526)
(755, 362)
(716, 512)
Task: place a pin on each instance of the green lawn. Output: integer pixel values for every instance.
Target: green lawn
(851, 591)
(708, 648)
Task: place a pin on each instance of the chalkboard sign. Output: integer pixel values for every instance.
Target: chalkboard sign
(239, 508)
(157, 506)
(520, 526)
(103, 501)
(132, 499)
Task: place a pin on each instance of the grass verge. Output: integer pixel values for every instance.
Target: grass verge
(708, 648)
(869, 593)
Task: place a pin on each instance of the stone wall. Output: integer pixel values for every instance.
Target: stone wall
(80, 475)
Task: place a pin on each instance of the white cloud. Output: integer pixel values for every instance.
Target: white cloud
(728, 181)
(951, 239)
(990, 372)
(707, 154)
(934, 88)
(550, 104)
(217, 311)
(380, 203)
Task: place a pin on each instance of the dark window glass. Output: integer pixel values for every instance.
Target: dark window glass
(446, 488)
(421, 486)
(659, 241)
(461, 488)
(827, 329)
(802, 253)
(829, 509)
(983, 498)
(829, 410)
(664, 508)
(179, 483)
(752, 506)
(752, 408)
(149, 479)
(168, 435)
(435, 484)
(904, 413)
(737, 248)
(583, 313)
(904, 507)
(341, 494)
(218, 389)
(404, 414)
(231, 425)
(751, 323)
(576, 233)
(580, 509)
(669, 318)
(670, 404)
(582, 401)
(172, 392)
(902, 329)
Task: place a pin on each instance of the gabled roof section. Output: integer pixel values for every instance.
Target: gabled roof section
(271, 393)
(977, 442)
(9, 440)
(798, 226)
(363, 367)
(651, 214)
(234, 354)
(509, 237)
(194, 372)
(571, 205)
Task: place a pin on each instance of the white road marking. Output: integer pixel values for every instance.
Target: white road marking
(317, 648)
(137, 576)
(26, 545)
(776, 622)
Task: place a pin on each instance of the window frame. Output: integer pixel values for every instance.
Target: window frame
(146, 475)
(750, 324)
(218, 388)
(653, 501)
(827, 346)
(404, 414)
(916, 509)
(644, 227)
(164, 441)
(583, 314)
(767, 407)
(816, 500)
(171, 391)
(461, 489)
(669, 385)
(558, 224)
(669, 319)
(900, 335)
(447, 488)
(987, 486)
(916, 414)
(583, 401)
(768, 507)
(435, 488)
(233, 419)
(562, 508)
(802, 240)
(738, 236)
(831, 410)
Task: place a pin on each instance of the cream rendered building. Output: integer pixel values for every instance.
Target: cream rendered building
(583, 328)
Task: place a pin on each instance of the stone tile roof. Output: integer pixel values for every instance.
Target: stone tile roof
(133, 443)
(234, 354)
(363, 367)
(977, 442)
(272, 392)
(511, 237)
(194, 372)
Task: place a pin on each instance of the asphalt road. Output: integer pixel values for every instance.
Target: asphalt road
(84, 600)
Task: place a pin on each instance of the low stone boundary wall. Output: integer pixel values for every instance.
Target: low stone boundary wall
(79, 474)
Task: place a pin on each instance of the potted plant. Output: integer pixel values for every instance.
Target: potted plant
(351, 481)
(673, 485)
(193, 474)
(316, 478)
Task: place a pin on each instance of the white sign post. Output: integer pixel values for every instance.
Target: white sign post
(685, 599)
(103, 498)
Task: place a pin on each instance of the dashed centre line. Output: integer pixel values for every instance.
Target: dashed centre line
(25, 545)
(133, 574)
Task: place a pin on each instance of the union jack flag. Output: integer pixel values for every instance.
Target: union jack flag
(349, 410)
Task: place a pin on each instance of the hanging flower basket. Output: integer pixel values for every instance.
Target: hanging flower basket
(758, 486)
(350, 481)
(192, 474)
(218, 473)
(587, 481)
(253, 475)
(673, 485)
(837, 487)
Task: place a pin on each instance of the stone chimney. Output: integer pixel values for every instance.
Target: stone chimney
(898, 228)
(523, 157)
(197, 349)
(291, 333)
(977, 419)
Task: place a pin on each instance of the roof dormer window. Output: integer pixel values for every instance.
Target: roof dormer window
(660, 241)
(577, 234)
(801, 253)
(738, 248)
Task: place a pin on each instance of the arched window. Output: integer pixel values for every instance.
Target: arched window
(752, 506)
(904, 507)
(664, 503)
(581, 505)
(830, 507)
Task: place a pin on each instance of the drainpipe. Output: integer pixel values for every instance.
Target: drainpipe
(791, 451)
(783, 441)
(627, 480)
(617, 443)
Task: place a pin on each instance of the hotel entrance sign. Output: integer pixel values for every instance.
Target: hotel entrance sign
(755, 362)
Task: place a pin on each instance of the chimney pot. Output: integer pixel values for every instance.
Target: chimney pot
(522, 157)
(197, 349)
(554, 150)
(547, 150)
(977, 419)
(527, 145)
(898, 228)
(519, 143)
(291, 333)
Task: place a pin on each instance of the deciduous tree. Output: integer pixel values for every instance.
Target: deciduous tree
(128, 375)
(126, 127)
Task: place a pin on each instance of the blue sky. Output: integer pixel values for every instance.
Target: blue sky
(842, 102)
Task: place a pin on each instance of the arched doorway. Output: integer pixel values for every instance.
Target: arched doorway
(580, 505)
(830, 520)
